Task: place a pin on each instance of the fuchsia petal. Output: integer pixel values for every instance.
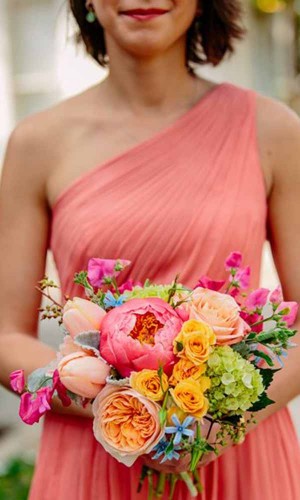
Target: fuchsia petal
(290, 317)
(276, 296)
(257, 298)
(243, 277)
(17, 381)
(98, 269)
(206, 282)
(61, 390)
(233, 261)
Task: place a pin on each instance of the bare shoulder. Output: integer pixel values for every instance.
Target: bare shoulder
(37, 143)
(279, 140)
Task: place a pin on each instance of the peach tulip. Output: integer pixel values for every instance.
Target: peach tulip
(83, 374)
(82, 315)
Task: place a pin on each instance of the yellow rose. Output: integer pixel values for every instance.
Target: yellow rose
(189, 397)
(194, 341)
(147, 382)
(186, 369)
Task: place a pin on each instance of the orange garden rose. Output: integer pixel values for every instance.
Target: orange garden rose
(126, 423)
(194, 341)
(147, 382)
(189, 396)
(221, 312)
(185, 369)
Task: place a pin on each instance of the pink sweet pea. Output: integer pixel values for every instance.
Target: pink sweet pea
(206, 282)
(17, 381)
(233, 261)
(100, 269)
(276, 296)
(33, 406)
(257, 298)
(139, 334)
(243, 277)
(61, 389)
(290, 317)
(128, 285)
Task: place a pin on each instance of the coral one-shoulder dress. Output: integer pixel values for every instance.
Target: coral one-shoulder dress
(178, 202)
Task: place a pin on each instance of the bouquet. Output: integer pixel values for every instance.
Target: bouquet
(162, 363)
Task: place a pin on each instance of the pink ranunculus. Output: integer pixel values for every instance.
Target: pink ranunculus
(206, 282)
(83, 374)
(139, 334)
(221, 312)
(126, 423)
(81, 315)
(34, 406)
(234, 260)
(276, 296)
(99, 269)
(17, 381)
(290, 317)
(129, 284)
(257, 299)
(243, 277)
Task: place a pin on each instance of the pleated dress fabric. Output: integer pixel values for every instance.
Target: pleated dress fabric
(178, 202)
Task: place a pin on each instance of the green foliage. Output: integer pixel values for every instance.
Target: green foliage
(262, 403)
(15, 480)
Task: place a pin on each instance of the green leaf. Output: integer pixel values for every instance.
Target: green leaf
(264, 356)
(232, 420)
(179, 346)
(268, 375)
(262, 403)
(242, 348)
(162, 416)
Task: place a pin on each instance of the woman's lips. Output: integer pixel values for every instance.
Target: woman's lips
(144, 14)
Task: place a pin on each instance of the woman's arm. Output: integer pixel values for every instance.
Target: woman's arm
(24, 232)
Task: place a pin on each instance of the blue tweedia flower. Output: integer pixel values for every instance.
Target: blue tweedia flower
(180, 429)
(160, 449)
(111, 301)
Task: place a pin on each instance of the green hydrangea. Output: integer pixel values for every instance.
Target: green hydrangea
(235, 383)
(161, 291)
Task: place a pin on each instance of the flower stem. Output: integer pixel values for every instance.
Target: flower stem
(173, 481)
(160, 488)
(189, 482)
(197, 481)
(150, 484)
(114, 282)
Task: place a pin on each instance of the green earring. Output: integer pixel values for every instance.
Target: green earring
(90, 17)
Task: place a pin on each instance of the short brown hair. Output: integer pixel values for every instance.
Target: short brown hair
(209, 39)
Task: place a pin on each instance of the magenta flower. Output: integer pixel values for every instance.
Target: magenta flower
(128, 285)
(34, 406)
(242, 277)
(17, 381)
(101, 269)
(276, 296)
(290, 317)
(233, 261)
(61, 389)
(257, 298)
(252, 318)
(206, 282)
(139, 334)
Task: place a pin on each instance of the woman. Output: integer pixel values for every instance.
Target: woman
(172, 172)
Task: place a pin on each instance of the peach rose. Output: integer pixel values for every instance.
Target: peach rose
(81, 315)
(221, 312)
(126, 423)
(185, 369)
(188, 395)
(83, 374)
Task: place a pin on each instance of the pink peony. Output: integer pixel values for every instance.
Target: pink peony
(83, 374)
(17, 381)
(126, 423)
(81, 315)
(100, 269)
(221, 312)
(139, 334)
